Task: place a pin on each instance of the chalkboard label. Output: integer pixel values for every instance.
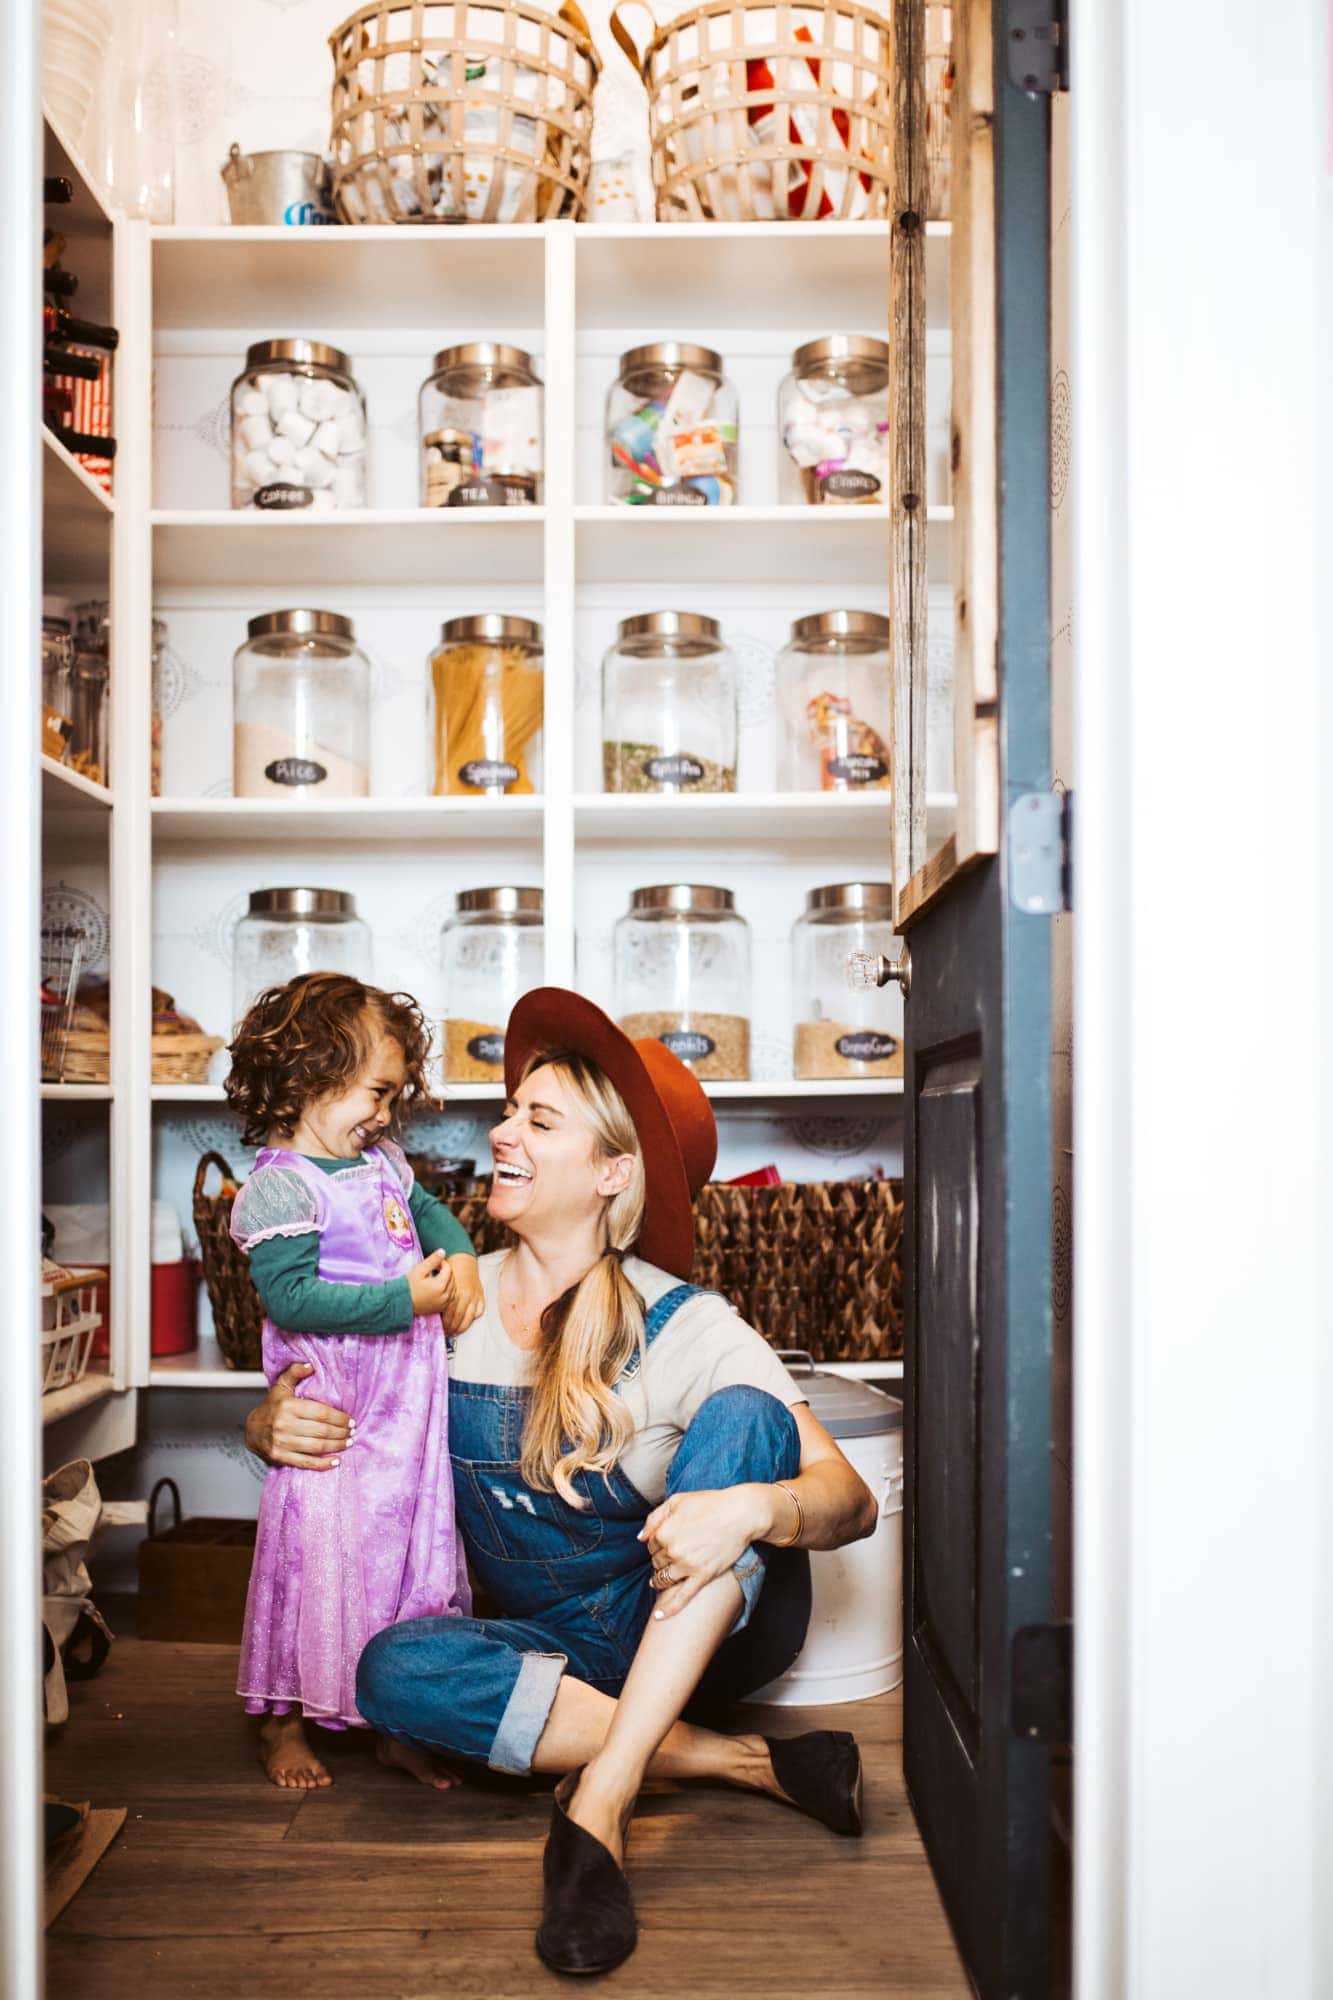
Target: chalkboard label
(295, 771)
(484, 774)
(849, 486)
(487, 1049)
(507, 491)
(866, 1046)
(858, 770)
(678, 496)
(688, 1046)
(282, 498)
(674, 770)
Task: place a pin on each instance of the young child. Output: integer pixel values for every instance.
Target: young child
(360, 1273)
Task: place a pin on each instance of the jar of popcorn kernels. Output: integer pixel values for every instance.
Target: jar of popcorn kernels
(298, 429)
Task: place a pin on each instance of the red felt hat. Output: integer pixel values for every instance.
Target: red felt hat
(672, 1116)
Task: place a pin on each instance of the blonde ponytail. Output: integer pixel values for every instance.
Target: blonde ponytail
(576, 1423)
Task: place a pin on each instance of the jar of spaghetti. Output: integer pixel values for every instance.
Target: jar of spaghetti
(487, 690)
(682, 976)
(842, 1029)
(481, 428)
(492, 948)
(833, 419)
(672, 434)
(833, 677)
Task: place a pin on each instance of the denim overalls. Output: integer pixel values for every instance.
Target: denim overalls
(575, 1585)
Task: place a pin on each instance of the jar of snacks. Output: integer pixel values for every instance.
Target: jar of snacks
(57, 694)
(289, 931)
(833, 419)
(669, 706)
(833, 678)
(682, 976)
(842, 1030)
(298, 428)
(492, 949)
(481, 428)
(159, 658)
(300, 709)
(487, 688)
(671, 428)
(89, 693)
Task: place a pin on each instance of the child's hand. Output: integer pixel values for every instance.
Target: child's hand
(431, 1283)
(467, 1302)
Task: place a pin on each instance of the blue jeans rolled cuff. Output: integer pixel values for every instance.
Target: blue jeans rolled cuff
(526, 1713)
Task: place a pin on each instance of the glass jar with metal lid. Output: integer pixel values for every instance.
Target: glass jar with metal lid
(492, 949)
(669, 706)
(682, 976)
(487, 690)
(842, 1029)
(298, 428)
(672, 435)
(300, 709)
(833, 419)
(481, 427)
(833, 683)
(286, 932)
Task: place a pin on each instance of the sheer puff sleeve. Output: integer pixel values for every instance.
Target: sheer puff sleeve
(275, 1201)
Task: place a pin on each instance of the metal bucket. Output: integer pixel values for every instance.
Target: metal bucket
(290, 188)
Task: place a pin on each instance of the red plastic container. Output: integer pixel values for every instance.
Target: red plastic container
(175, 1307)
(101, 1347)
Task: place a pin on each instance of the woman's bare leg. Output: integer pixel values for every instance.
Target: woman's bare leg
(620, 1742)
(286, 1755)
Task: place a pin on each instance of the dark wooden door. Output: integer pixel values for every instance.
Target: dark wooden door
(978, 1098)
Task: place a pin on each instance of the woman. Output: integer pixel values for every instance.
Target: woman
(636, 1479)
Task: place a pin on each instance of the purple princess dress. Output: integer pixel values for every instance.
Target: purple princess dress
(341, 1554)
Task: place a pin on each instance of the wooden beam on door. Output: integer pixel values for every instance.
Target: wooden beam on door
(907, 415)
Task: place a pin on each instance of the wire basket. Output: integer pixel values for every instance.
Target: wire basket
(462, 110)
(70, 1319)
(768, 113)
(62, 960)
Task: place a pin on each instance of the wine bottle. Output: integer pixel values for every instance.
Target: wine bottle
(57, 188)
(79, 367)
(61, 325)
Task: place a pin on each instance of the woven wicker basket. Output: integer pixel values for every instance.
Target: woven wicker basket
(238, 1317)
(764, 112)
(87, 1056)
(452, 110)
(183, 1058)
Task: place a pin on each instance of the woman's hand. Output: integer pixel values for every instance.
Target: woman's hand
(695, 1537)
(466, 1302)
(288, 1429)
(431, 1283)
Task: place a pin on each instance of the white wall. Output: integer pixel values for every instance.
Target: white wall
(1201, 135)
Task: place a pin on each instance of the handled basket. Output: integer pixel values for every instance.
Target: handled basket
(764, 112)
(238, 1317)
(461, 110)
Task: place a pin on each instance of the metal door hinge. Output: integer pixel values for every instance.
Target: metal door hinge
(1041, 1683)
(1037, 37)
(1041, 831)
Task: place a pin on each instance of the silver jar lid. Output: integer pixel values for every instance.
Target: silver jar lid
(860, 631)
(304, 353)
(662, 354)
(505, 902)
(487, 357)
(858, 359)
(495, 627)
(683, 899)
(304, 624)
(302, 903)
(669, 631)
(850, 899)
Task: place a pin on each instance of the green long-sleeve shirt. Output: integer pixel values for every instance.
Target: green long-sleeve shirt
(286, 1274)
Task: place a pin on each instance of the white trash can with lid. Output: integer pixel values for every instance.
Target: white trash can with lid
(854, 1645)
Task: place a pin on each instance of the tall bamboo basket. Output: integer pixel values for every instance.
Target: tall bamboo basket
(462, 110)
(763, 112)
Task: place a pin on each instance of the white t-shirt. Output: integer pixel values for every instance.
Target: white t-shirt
(704, 1346)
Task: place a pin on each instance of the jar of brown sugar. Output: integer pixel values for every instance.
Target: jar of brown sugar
(842, 1031)
(682, 976)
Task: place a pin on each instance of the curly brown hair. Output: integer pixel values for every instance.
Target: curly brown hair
(301, 1041)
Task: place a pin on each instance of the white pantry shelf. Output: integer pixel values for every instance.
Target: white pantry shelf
(784, 822)
(446, 545)
(781, 545)
(345, 822)
(80, 1395)
(67, 791)
(78, 1093)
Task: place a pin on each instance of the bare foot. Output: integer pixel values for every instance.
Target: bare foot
(286, 1756)
(418, 1762)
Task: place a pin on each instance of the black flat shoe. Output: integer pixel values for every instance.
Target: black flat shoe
(821, 1775)
(588, 1923)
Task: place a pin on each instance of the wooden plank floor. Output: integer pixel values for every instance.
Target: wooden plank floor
(381, 1890)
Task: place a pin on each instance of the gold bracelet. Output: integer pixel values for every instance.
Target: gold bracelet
(792, 1540)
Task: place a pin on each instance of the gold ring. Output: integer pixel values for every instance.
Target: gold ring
(664, 1577)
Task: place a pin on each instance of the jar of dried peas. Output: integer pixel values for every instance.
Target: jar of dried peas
(492, 948)
(487, 689)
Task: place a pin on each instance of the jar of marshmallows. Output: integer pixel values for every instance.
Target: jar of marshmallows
(298, 429)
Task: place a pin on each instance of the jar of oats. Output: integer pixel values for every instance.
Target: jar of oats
(841, 1030)
(682, 976)
(492, 948)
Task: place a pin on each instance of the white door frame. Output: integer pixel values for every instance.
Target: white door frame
(1204, 923)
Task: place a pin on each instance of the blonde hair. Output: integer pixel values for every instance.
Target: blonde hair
(576, 1423)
